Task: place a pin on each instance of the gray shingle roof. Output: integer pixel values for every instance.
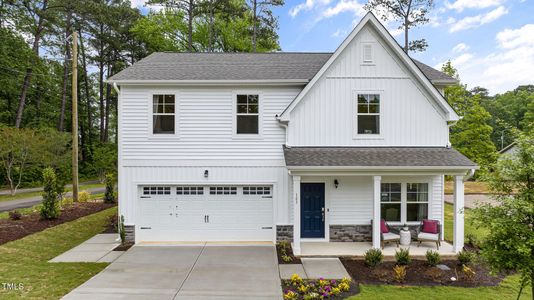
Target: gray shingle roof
(237, 66)
(433, 74)
(375, 157)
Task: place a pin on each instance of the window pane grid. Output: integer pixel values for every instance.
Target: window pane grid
(256, 190)
(390, 198)
(189, 190)
(368, 114)
(163, 114)
(223, 190)
(156, 190)
(247, 114)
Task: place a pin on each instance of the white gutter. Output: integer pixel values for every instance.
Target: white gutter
(116, 88)
(470, 174)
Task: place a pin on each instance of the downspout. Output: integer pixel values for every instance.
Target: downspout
(469, 174)
(116, 88)
(449, 125)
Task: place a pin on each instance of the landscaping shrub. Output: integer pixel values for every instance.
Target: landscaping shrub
(399, 273)
(465, 257)
(432, 257)
(15, 215)
(468, 273)
(122, 230)
(50, 205)
(109, 196)
(286, 258)
(66, 201)
(403, 257)
(373, 257)
(84, 196)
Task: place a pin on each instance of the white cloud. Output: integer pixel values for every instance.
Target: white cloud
(461, 47)
(460, 5)
(352, 6)
(511, 38)
(306, 6)
(478, 20)
(510, 65)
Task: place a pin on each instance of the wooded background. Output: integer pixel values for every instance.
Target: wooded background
(35, 70)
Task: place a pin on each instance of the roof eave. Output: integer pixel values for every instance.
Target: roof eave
(211, 82)
(383, 168)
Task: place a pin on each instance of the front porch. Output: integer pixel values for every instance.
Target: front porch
(336, 249)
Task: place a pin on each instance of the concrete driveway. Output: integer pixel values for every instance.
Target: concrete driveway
(187, 272)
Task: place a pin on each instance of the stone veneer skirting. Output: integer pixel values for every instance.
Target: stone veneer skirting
(284, 233)
(130, 233)
(350, 233)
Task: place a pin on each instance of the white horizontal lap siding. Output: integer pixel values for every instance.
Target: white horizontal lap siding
(326, 115)
(205, 127)
(133, 177)
(435, 209)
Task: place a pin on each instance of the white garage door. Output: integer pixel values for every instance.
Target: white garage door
(205, 213)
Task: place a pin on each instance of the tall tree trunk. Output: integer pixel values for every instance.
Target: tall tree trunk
(101, 83)
(61, 122)
(406, 34)
(210, 28)
(29, 71)
(108, 96)
(254, 25)
(38, 100)
(86, 90)
(190, 26)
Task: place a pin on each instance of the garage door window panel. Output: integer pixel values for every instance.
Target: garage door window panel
(189, 190)
(256, 190)
(223, 190)
(156, 190)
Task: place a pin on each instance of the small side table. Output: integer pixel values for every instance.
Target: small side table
(405, 237)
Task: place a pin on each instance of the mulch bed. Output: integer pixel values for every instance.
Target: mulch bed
(112, 227)
(418, 273)
(288, 251)
(11, 230)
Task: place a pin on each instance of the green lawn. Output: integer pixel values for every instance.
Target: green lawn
(25, 261)
(33, 194)
(469, 228)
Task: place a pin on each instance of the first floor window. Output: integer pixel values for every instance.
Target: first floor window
(247, 116)
(163, 114)
(368, 114)
(416, 201)
(390, 202)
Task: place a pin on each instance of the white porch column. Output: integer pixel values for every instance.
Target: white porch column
(376, 211)
(296, 215)
(458, 234)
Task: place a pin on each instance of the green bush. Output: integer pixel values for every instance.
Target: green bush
(373, 257)
(122, 231)
(15, 215)
(403, 256)
(84, 196)
(66, 202)
(432, 257)
(465, 257)
(109, 196)
(50, 205)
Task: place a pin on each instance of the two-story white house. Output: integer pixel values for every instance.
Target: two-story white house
(299, 146)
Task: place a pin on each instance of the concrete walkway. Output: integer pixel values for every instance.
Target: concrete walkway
(31, 201)
(315, 268)
(187, 272)
(96, 249)
(471, 200)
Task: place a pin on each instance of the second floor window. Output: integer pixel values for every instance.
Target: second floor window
(368, 115)
(163, 114)
(247, 114)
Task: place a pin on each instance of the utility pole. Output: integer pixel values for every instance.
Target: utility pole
(75, 116)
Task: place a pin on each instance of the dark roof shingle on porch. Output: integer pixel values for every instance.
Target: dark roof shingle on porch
(375, 157)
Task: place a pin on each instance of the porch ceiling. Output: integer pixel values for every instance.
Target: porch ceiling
(376, 157)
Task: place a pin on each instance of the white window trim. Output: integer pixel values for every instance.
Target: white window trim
(163, 136)
(368, 63)
(355, 134)
(247, 136)
(404, 202)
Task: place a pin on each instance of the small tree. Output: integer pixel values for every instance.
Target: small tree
(109, 196)
(50, 205)
(411, 13)
(510, 242)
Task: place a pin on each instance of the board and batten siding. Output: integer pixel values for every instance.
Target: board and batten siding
(204, 126)
(326, 115)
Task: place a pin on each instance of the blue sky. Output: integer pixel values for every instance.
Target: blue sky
(490, 42)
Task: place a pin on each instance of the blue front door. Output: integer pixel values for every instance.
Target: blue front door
(312, 210)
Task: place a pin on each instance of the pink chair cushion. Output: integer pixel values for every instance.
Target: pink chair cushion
(430, 226)
(383, 226)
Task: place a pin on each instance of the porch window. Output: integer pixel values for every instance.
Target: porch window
(416, 201)
(390, 201)
(247, 114)
(163, 114)
(368, 114)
